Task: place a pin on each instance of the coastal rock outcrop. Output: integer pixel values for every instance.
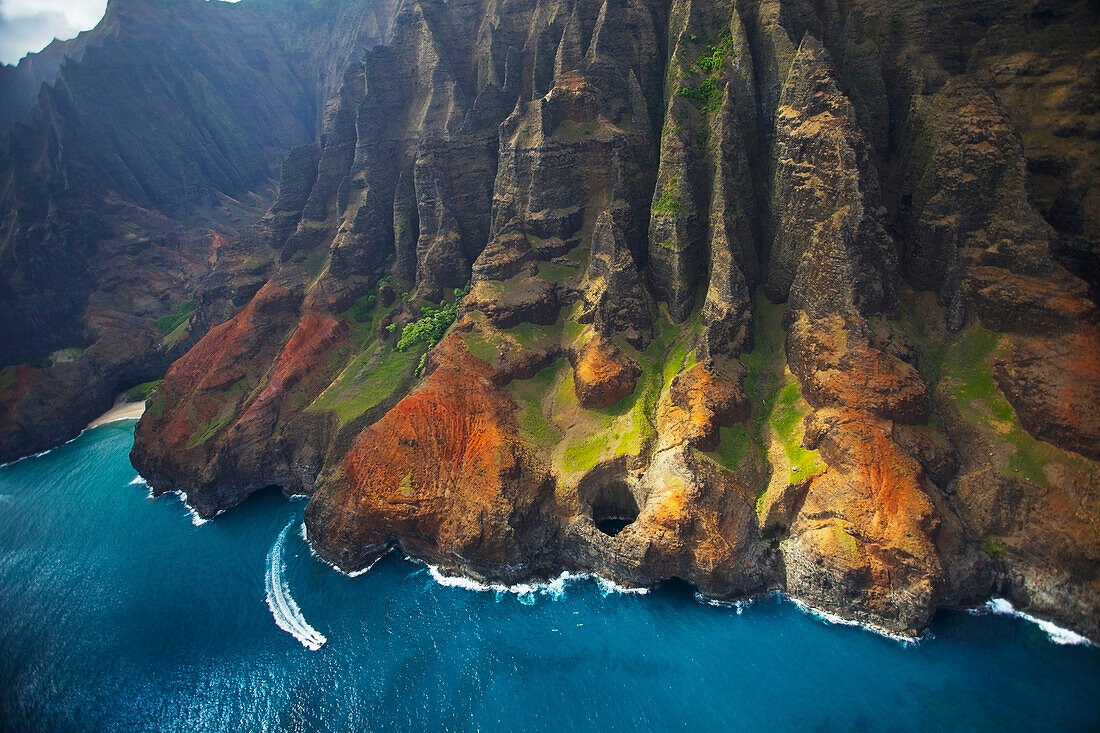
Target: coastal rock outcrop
(442, 475)
(756, 295)
(145, 151)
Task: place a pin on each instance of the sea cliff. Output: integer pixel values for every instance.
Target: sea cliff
(762, 295)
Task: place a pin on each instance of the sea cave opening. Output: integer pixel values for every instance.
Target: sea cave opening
(614, 508)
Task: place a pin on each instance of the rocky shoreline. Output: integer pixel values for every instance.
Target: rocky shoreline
(763, 295)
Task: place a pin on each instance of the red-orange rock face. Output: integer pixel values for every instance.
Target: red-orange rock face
(910, 424)
(867, 524)
(838, 367)
(444, 476)
(602, 374)
(221, 359)
(701, 403)
(1051, 381)
(237, 397)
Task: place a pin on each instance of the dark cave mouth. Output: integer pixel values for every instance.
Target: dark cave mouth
(611, 526)
(614, 509)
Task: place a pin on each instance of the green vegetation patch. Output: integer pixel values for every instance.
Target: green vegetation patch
(668, 204)
(141, 392)
(535, 427)
(406, 486)
(583, 454)
(557, 273)
(362, 310)
(846, 541)
(373, 376)
(177, 334)
(788, 412)
(643, 406)
(480, 345)
(571, 332)
(432, 324)
(534, 336)
(734, 445)
(209, 430)
(625, 427)
(706, 95)
(966, 361)
(680, 358)
(168, 324)
(994, 549)
(487, 342)
(157, 404)
(778, 408)
(962, 362)
(372, 371)
(573, 131)
(552, 421)
(7, 378)
(255, 264)
(315, 264)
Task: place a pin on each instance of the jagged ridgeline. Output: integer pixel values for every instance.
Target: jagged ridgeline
(760, 295)
(126, 180)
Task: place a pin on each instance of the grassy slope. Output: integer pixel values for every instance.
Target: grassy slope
(375, 373)
(778, 409)
(963, 362)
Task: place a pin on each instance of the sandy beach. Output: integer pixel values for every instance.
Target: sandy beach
(123, 411)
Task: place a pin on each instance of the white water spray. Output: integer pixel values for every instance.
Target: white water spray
(283, 607)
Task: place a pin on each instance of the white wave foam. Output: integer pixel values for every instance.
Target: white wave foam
(334, 566)
(738, 606)
(528, 592)
(610, 587)
(196, 519)
(360, 571)
(1054, 632)
(42, 453)
(832, 618)
(821, 615)
(124, 418)
(288, 616)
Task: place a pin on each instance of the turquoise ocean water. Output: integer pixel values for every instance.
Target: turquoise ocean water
(117, 613)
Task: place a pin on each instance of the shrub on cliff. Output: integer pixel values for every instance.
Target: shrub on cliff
(432, 324)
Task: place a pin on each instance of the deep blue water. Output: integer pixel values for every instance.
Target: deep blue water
(117, 613)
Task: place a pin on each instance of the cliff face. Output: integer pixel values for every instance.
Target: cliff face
(154, 143)
(764, 294)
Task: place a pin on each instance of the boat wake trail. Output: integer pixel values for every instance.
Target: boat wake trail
(287, 615)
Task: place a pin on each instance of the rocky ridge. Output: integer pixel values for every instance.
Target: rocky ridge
(764, 295)
(134, 162)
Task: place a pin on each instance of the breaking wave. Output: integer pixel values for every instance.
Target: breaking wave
(739, 605)
(527, 593)
(288, 616)
(1054, 632)
(196, 519)
(832, 618)
(334, 566)
(41, 453)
